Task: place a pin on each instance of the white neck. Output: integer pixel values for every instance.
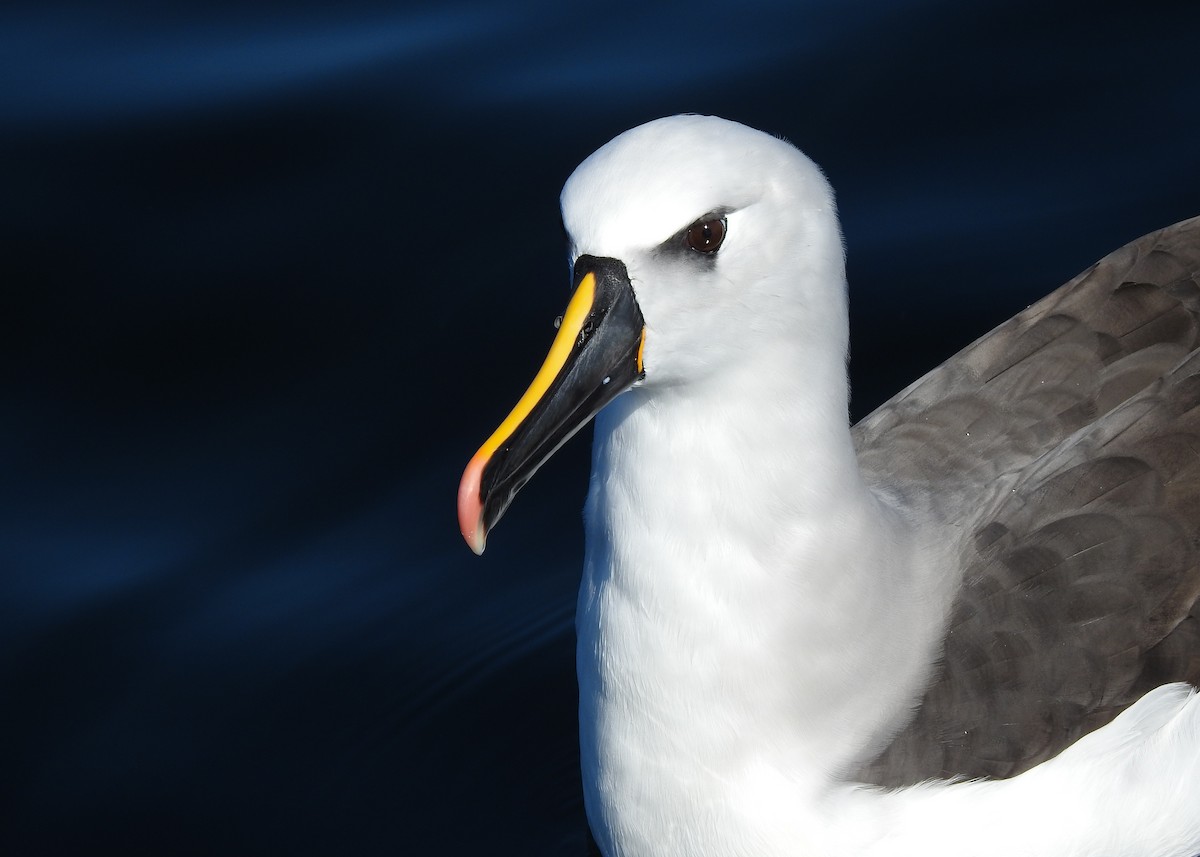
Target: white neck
(713, 615)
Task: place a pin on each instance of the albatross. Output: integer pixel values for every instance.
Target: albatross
(965, 626)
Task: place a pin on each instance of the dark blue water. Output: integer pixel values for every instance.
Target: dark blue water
(271, 272)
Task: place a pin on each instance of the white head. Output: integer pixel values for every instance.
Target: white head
(703, 252)
(779, 272)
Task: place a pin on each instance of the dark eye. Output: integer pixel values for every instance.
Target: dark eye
(706, 236)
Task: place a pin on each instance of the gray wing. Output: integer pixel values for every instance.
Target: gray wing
(1060, 457)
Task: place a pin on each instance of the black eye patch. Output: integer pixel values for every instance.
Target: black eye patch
(699, 240)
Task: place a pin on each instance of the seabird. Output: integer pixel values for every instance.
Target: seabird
(798, 638)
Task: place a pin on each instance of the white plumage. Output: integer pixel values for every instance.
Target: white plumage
(767, 597)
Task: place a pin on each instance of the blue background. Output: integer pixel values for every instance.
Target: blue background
(271, 272)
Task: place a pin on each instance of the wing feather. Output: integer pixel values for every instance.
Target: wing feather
(1059, 458)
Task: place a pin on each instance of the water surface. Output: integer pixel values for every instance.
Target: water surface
(273, 272)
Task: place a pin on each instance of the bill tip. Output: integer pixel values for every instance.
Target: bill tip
(477, 540)
(470, 507)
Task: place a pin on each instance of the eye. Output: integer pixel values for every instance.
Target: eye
(706, 236)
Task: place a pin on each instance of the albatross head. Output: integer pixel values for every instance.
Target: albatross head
(695, 241)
